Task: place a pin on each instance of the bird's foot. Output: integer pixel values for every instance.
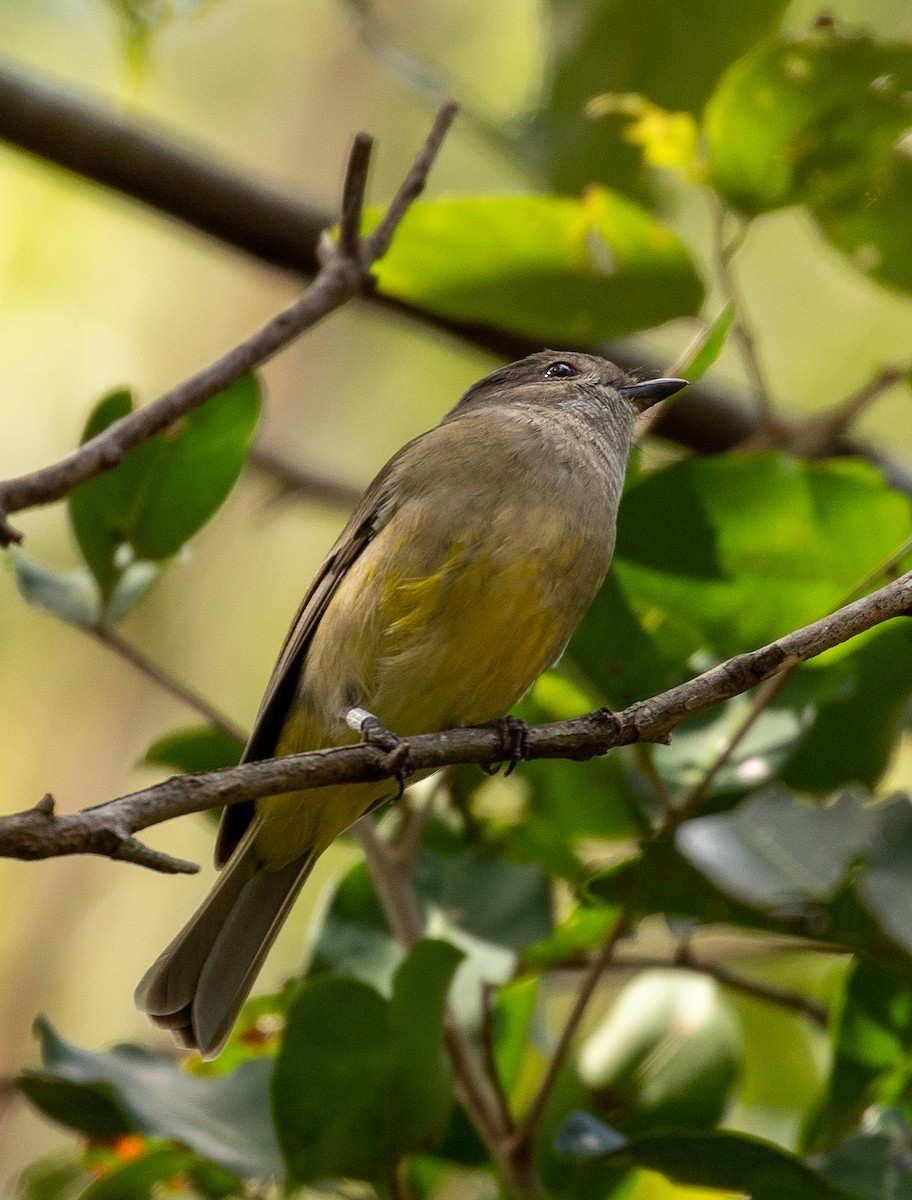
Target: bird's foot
(375, 733)
(514, 735)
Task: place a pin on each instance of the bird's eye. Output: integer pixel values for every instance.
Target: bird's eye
(560, 370)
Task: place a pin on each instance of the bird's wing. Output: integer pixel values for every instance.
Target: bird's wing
(372, 513)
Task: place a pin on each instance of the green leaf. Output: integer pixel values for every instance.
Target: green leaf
(515, 1011)
(52, 1179)
(710, 346)
(813, 118)
(732, 552)
(873, 234)
(224, 1119)
(885, 886)
(865, 690)
(481, 902)
(662, 880)
(138, 1178)
(359, 1080)
(165, 489)
(70, 595)
(775, 852)
(734, 1162)
(203, 748)
(875, 1164)
(586, 269)
(668, 1053)
(872, 1039)
(671, 53)
(197, 471)
(100, 508)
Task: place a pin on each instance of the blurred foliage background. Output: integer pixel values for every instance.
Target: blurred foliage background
(99, 293)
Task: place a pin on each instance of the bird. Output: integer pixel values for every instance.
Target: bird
(459, 578)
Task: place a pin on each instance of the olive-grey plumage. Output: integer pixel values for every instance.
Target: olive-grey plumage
(460, 577)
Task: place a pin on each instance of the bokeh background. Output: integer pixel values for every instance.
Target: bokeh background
(97, 292)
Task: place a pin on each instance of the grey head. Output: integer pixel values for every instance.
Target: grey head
(566, 378)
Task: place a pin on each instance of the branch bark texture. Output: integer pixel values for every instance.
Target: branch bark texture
(109, 828)
(345, 271)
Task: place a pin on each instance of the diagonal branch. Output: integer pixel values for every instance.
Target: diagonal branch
(159, 168)
(345, 272)
(89, 832)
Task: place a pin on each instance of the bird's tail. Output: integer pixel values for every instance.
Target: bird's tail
(198, 984)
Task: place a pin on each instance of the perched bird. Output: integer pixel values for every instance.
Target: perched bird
(458, 579)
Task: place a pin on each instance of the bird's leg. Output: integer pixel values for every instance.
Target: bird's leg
(374, 733)
(515, 737)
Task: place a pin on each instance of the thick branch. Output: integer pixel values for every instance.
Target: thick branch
(160, 169)
(24, 835)
(344, 273)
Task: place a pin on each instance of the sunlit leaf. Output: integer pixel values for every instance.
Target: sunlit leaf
(672, 54)
(586, 269)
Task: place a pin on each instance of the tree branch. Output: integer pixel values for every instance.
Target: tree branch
(180, 691)
(160, 169)
(345, 272)
(30, 836)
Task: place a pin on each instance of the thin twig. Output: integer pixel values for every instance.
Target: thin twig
(414, 183)
(341, 277)
(161, 678)
(89, 831)
(294, 480)
(389, 869)
(488, 996)
(813, 437)
(353, 193)
(726, 249)
(686, 960)
(528, 1127)
(765, 694)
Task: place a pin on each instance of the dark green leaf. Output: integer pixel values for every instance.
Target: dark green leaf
(872, 1039)
(100, 508)
(732, 552)
(873, 233)
(225, 1119)
(865, 690)
(885, 887)
(165, 489)
(193, 750)
(489, 907)
(586, 270)
(203, 458)
(52, 1179)
(671, 53)
(359, 1080)
(734, 1162)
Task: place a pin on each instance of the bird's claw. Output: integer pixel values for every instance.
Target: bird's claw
(514, 735)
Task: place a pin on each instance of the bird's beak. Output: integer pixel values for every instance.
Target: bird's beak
(651, 391)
